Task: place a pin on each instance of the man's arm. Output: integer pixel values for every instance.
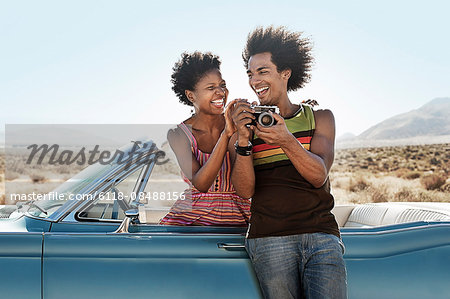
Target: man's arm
(314, 165)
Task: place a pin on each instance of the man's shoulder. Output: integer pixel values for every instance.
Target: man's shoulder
(323, 112)
(323, 115)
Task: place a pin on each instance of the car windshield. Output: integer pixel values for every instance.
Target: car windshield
(80, 186)
(72, 189)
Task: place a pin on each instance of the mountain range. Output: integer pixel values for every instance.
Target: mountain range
(428, 124)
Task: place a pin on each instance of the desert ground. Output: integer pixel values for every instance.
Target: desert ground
(401, 173)
(382, 174)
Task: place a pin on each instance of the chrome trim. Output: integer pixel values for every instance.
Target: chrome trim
(123, 228)
(39, 218)
(116, 171)
(228, 246)
(397, 230)
(22, 233)
(116, 176)
(117, 180)
(130, 216)
(143, 177)
(146, 234)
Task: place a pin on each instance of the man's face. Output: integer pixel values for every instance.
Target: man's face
(265, 80)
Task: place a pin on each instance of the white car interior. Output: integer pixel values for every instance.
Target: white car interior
(378, 214)
(362, 215)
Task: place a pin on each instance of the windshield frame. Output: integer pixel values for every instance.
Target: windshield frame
(100, 180)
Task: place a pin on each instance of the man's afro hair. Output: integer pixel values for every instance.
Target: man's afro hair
(289, 51)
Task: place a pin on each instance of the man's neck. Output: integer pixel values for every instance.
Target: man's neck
(286, 107)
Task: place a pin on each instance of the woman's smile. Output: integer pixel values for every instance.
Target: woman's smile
(219, 103)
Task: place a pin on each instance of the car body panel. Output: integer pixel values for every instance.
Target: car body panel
(397, 261)
(20, 264)
(24, 224)
(395, 239)
(85, 227)
(401, 261)
(416, 274)
(159, 265)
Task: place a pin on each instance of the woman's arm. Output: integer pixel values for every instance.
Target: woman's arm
(242, 173)
(202, 177)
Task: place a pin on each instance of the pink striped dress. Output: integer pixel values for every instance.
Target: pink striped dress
(220, 206)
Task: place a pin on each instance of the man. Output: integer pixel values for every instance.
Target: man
(293, 238)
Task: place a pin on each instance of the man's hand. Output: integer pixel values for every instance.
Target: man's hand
(277, 134)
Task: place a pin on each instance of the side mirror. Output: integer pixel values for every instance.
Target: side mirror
(130, 217)
(132, 213)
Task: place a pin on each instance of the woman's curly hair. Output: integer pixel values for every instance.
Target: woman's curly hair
(189, 70)
(289, 51)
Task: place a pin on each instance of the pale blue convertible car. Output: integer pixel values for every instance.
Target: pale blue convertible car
(90, 244)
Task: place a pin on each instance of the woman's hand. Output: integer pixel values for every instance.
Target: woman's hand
(230, 127)
(242, 116)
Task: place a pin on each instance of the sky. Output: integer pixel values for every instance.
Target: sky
(95, 62)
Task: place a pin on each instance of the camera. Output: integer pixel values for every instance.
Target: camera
(263, 116)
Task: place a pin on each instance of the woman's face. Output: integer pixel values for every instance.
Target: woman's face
(210, 93)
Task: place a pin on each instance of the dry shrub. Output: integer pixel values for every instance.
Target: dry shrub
(37, 178)
(2, 199)
(401, 173)
(424, 196)
(63, 169)
(408, 195)
(433, 181)
(379, 194)
(359, 185)
(446, 187)
(358, 198)
(405, 194)
(412, 175)
(336, 184)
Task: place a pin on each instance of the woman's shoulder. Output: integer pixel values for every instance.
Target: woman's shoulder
(177, 136)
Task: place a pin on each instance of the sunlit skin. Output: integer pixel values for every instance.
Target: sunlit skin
(211, 126)
(209, 96)
(270, 86)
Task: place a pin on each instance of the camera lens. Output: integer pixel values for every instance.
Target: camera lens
(266, 119)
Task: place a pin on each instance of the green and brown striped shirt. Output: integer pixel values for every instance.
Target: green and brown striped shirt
(284, 202)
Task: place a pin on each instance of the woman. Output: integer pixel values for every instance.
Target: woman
(200, 144)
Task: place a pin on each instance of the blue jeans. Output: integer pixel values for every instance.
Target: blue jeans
(299, 266)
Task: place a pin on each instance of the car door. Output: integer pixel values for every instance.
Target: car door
(407, 260)
(84, 257)
(151, 262)
(20, 264)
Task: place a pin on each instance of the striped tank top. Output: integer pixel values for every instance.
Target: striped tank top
(284, 202)
(220, 206)
(301, 125)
